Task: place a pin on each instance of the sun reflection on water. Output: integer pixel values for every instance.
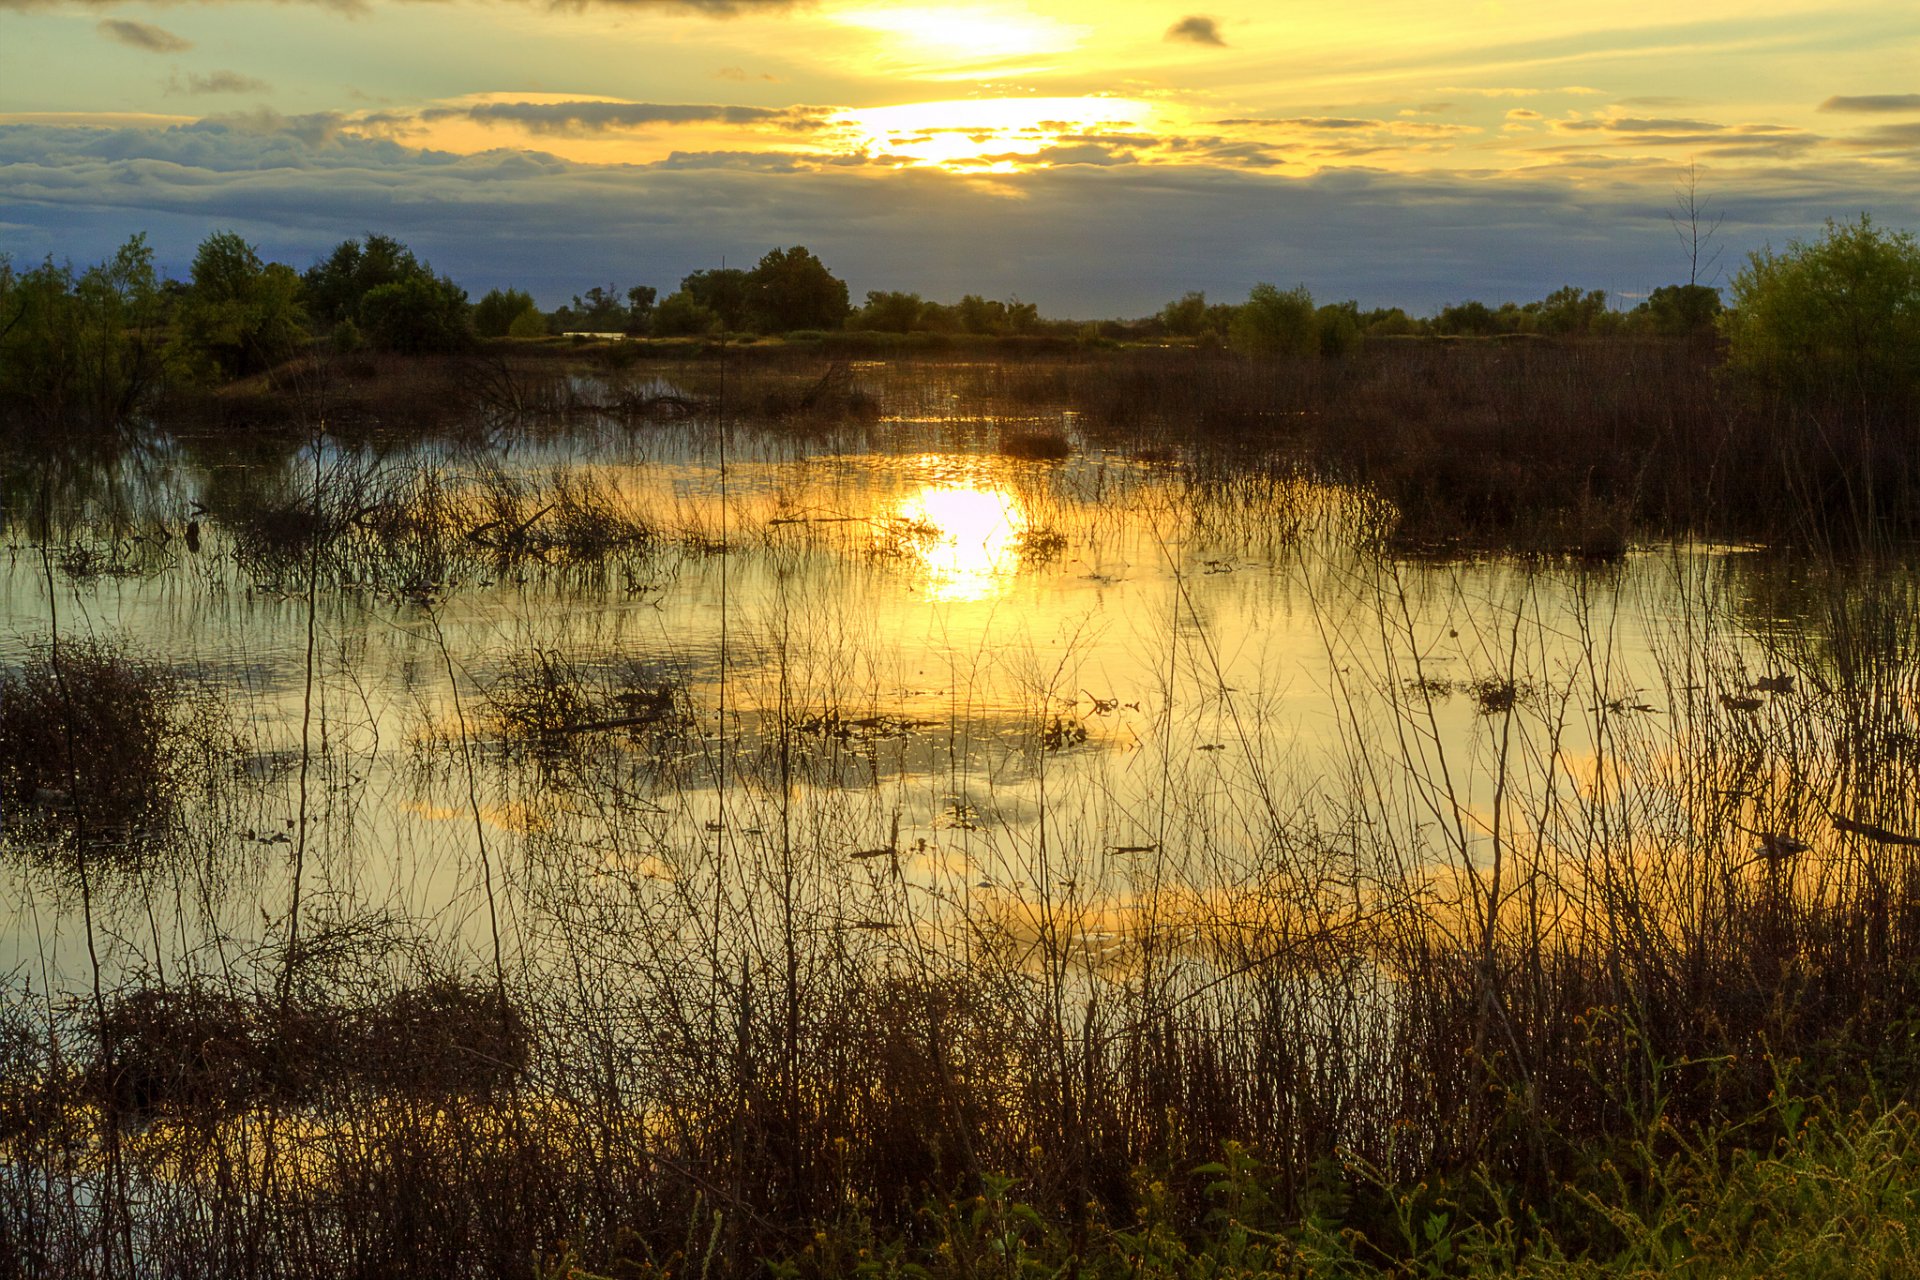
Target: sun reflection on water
(966, 536)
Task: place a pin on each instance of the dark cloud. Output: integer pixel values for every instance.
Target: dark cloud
(1195, 29)
(1639, 124)
(600, 117)
(141, 35)
(1874, 103)
(1301, 122)
(1899, 137)
(218, 82)
(1085, 239)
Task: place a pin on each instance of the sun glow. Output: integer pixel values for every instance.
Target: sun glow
(965, 536)
(961, 34)
(995, 134)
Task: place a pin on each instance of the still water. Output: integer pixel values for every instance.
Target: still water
(885, 677)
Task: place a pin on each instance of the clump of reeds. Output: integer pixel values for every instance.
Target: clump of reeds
(195, 1053)
(1038, 444)
(547, 698)
(97, 743)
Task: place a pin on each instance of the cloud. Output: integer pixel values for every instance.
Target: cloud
(141, 35)
(602, 117)
(1195, 29)
(218, 82)
(1874, 103)
(298, 185)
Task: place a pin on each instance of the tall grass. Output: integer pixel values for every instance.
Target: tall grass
(1529, 969)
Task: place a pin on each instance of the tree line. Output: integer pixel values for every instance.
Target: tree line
(90, 345)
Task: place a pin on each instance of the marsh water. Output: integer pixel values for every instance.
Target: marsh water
(881, 674)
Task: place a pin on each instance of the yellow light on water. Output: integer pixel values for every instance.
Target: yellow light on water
(967, 538)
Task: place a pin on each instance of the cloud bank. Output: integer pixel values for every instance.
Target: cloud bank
(1092, 238)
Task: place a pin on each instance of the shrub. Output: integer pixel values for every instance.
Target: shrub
(90, 741)
(1272, 323)
(1836, 320)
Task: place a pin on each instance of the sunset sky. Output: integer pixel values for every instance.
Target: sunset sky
(1095, 158)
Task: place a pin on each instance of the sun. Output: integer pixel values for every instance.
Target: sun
(985, 134)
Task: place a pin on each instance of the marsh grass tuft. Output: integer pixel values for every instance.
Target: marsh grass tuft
(101, 744)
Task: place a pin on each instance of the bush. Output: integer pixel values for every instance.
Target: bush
(1834, 322)
(1272, 323)
(90, 742)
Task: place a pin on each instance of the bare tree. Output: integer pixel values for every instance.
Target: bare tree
(1697, 227)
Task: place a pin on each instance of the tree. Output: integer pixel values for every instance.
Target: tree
(682, 315)
(1569, 310)
(889, 312)
(420, 313)
(240, 315)
(1696, 227)
(495, 314)
(1185, 316)
(1836, 320)
(791, 289)
(1467, 318)
(723, 291)
(1339, 328)
(1681, 310)
(336, 284)
(1271, 322)
(417, 310)
(84, 349)
(640, 300)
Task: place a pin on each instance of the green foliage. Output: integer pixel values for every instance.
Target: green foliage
(887, 312)
(528, 324)
(495, 314)
(1834, 321)
(1567, 310)
(1186, 316)
(791, 289)
(1681, 310)
(1339, 325)
(336, 284)
(88, 348)
(724, 292)
(1473, 319)
(605, 310)
(240, 315)
(1272, 323)
(1388, 322)
(683, 315)
(394, 298)
(422, 313)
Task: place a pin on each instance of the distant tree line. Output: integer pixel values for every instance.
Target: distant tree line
(89, 346)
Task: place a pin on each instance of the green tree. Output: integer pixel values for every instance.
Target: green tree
(494, 315)
(86, 349)
(791, 289)
(1185, 316)
(723, 291)
(1568, 310)
(1470, 318)
(336, 284)
(1836, 320)
(682, 315)
(1339, 327)
(640, 304)
(1681, 310)
(889, 312)
(240, 315)
(421, 313)
(1272, 322)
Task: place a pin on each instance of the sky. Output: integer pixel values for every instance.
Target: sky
(1097, 157)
